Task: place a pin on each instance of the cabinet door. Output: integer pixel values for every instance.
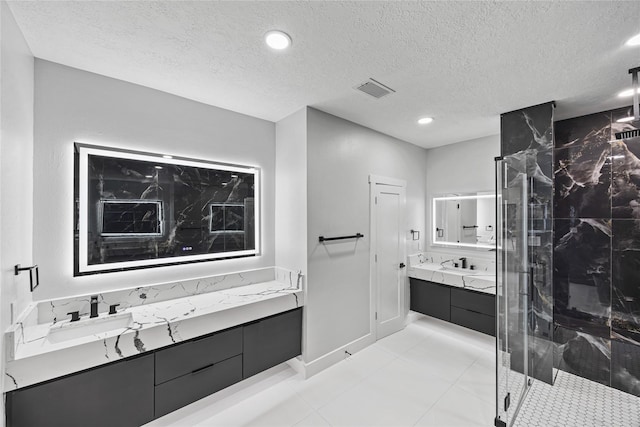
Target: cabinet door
(271, 341)
(119, 394)
(431, 299)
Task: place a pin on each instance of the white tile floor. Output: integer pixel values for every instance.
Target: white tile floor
(432, 373)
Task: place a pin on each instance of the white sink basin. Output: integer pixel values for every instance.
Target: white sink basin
(463, 271)
(68, 330)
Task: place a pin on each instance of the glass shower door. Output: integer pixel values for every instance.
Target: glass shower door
(512, 288)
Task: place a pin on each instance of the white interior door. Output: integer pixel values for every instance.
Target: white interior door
(389, 272)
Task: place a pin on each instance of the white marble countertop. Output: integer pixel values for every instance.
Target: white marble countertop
(481, 281)
(36, 357)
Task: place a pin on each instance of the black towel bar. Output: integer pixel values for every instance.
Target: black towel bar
(17, 269)
(325, 239)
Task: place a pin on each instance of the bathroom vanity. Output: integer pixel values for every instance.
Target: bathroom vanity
(461, 296)
(183, 343)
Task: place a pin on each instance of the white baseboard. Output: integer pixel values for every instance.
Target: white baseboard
(309, 369)
(297, 365)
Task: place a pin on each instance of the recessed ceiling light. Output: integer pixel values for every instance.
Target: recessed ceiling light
(158, 167)
(148, 176)
(625, 119)
(166, 156)
(234, 176)
(634, 41)
(277, 40)
(425, 120)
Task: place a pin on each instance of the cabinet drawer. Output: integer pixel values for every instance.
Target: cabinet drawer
(472, 320)
(192, 355)
(271, 341)
(118, 394)
(188, 388)
(474, 301)
(430, 298)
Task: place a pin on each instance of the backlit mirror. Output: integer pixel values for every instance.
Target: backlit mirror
(138, 210)
(464, 220)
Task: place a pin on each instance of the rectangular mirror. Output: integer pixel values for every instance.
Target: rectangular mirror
(137, 210)
(464, 220)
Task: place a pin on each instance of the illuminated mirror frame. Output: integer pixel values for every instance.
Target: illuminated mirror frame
(82, 153)
(456, 244)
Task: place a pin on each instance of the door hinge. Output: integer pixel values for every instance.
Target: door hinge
(376, 257)
(376, 315)
(376, 200)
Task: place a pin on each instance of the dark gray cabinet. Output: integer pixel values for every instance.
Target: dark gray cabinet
(190, 356)
(118, 394)
(432, 299)
(473, 320)
(271, 341)
(134, 391)
(474, 301)
(189, 371)
(464, 307)
(193, 386)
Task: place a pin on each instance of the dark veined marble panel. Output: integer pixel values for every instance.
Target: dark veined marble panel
(583, 178)
(581, 276)
(583, 354)
(527, 146)
(580, 130)
(625, 294)
(527, 129)
(625, 190)
(625, 367)
(541, 298)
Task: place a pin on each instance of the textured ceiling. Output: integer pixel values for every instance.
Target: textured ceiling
(462, 63)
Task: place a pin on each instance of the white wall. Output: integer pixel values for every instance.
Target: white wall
(340, 157)
(463, 167)
(16, 171)
(76, 106)
(291, 191)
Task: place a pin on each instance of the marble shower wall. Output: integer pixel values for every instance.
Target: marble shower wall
(527, 146)
(597, 250)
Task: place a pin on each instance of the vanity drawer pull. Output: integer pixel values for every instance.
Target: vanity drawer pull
(202, 369)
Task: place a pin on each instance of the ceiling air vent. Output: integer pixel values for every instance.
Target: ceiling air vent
(374, 88)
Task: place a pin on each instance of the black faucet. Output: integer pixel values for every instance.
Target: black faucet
(464, 262)
(94, 307)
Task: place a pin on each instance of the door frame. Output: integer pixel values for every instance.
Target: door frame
(375, 180)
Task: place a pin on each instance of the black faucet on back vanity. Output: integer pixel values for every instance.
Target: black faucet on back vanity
(94, 306)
